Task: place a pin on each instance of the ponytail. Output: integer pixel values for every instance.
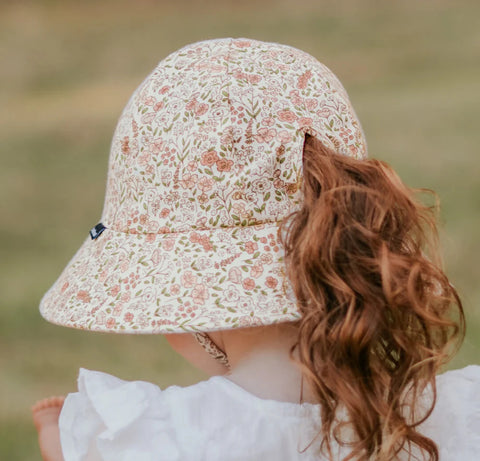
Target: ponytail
(379, 316)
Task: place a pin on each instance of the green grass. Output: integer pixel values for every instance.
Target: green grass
(411, 69)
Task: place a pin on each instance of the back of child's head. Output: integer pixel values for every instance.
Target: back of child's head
(239, 194)
(205, 163)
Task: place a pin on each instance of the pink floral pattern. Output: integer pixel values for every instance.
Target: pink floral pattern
(205, 162)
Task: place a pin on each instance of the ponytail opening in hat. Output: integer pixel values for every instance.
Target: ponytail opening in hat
(379, 316)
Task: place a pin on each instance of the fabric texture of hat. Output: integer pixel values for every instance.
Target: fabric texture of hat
(205, 163)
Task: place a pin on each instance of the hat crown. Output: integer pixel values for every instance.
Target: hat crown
(214, 137)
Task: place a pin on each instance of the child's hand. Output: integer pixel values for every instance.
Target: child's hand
(45, 417)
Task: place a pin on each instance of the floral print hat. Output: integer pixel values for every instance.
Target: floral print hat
(205, 162)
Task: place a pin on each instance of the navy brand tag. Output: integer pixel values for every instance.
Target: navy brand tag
(97, 230)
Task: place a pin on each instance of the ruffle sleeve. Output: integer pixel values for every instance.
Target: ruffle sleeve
(109, 419)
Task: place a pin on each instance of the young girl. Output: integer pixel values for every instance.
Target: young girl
(244, 221)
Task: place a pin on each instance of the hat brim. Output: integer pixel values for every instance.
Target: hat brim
(199, 280)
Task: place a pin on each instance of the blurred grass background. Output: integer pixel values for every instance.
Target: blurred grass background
(67, 68)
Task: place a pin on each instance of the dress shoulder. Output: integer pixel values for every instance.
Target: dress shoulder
(109, 419)
(455, 421)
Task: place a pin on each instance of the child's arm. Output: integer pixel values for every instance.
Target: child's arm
(45, 417)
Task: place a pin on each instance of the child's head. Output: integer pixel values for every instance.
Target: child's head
(205, 163)
(239, 195)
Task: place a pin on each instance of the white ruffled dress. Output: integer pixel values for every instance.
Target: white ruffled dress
(109, 419)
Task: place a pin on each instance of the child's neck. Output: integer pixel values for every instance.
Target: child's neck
(261, 364)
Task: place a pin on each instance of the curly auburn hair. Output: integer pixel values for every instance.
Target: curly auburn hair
(379, 316)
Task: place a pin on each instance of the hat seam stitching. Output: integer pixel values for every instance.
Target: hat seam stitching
(196, 229)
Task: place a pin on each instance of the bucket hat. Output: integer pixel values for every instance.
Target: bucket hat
(205, 163)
